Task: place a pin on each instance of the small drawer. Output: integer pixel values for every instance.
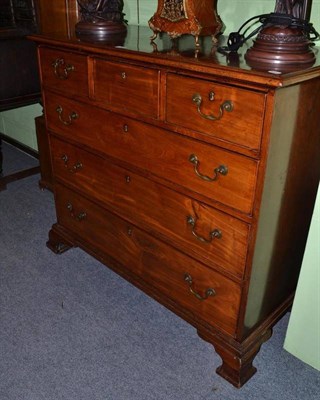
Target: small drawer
(65, 72)
(127, 88)
(203, 292)
(222, 177)
(217, 111)
(215, 238)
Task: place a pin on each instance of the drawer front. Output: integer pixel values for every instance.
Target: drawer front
(161, 266)
(127, 88)
(221, 176)
(63, 71)
(195, 103)
(213, 237)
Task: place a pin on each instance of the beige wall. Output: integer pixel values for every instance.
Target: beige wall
(19, 124)
(303, 335)
(232, 12)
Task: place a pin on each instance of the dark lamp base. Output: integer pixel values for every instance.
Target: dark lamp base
(100, 30)
(280, 49)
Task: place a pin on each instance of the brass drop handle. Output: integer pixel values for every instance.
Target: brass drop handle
(221, 169)
(61, 69)
(225, 106)
(79, 217)
(76, 167)
(208, 293)
(71, 117)
(215, 234)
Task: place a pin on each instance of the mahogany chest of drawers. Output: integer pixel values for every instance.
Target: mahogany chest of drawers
(192, 178)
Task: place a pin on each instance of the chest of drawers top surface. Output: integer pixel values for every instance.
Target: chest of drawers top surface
(137, 46)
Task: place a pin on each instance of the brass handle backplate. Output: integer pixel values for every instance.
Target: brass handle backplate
(215, 234)
(79, 217)
(61, 69)
(222, 169)
(76, 167)
(225, 106)
(71, 117)
(208, 293)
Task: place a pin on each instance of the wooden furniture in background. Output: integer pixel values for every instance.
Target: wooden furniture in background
(59, 16)
(191, 178)
(20, 85)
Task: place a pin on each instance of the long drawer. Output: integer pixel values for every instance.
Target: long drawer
(209, 295)
(223, 177)
(215, 238)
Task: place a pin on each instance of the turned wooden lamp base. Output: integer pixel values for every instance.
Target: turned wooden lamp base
(280, 49)
(100, 30)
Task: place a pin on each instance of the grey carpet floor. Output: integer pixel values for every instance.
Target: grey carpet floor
(71, 329)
